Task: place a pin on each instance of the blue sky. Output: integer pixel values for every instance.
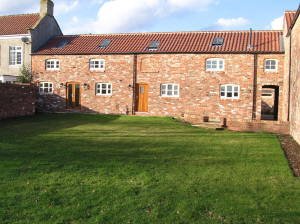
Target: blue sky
(111, 16)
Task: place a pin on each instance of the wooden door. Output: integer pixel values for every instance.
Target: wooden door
(142, 97)
(73, 95)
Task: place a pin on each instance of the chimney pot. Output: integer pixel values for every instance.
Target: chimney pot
(46, 8)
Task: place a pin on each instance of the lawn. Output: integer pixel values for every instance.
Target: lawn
(86, 169)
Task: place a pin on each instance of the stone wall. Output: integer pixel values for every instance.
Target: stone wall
(17, 100)
(295, 82)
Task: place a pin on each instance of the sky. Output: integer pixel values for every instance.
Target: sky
(119, 16)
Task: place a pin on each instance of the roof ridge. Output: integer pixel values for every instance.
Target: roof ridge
(171, 32)
(23, 14)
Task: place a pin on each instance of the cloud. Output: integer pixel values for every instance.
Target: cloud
(63, 7)
(133, 15)
(232, 22)
(277, 24)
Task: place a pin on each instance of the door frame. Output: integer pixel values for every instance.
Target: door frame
(276, 101)
(137, 93)
(73, 97)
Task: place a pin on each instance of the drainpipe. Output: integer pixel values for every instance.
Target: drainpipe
(134, 79)
(254, 86)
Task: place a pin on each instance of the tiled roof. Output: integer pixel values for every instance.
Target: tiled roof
(177, 42)
(289, 17)
(17, 24)
(294, 20)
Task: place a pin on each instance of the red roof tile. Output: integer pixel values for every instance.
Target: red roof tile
(17, 24)
(289, 17)
(177, 42)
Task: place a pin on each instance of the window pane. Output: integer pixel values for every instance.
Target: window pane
(229, 88)
(229, 94)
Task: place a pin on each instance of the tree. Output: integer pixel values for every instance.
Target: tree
(25, 75)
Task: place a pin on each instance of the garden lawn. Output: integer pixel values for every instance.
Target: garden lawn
(86, 169)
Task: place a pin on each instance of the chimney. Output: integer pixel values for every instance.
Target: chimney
(47, 7)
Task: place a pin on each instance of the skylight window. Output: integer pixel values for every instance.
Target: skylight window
(218, 41)
(62, 43)
(153, 46)
(105, 43)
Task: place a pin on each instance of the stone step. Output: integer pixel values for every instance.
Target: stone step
(210, 125)
(142, 114)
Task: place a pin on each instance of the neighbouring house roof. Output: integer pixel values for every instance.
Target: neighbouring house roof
(294, 20)
(17, 24)
(177, 42)
(289, 17)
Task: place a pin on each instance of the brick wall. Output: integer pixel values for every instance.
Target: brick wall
(118, 72)
(258, 126)
(295, 82)
(17, 100)
(199, 89)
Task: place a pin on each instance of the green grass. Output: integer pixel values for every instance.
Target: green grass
(117, 169)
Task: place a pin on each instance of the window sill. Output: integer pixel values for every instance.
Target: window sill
(52, 70)
(97, 70)
(101, 95)
(170, 97)
(271, 71)
(232, 99)
(215, 71)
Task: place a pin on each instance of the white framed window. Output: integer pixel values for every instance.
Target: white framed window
(15, 55)
(271, 65)
(46, 88)
(230, 91)
(52, 65)
(103, 89)
(215, 64)
(170, 90)
(97, 64)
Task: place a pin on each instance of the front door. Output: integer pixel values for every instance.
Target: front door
(73, 95)
(142, 97)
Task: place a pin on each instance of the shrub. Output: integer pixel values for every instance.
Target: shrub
(25, 75)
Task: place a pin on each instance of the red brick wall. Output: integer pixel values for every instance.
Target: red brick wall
(17, 100)
(119, 70)
(258, 126)
(199, 89)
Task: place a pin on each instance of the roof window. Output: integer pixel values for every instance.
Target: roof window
(105, 43)
(218, 41)
(153, 46)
